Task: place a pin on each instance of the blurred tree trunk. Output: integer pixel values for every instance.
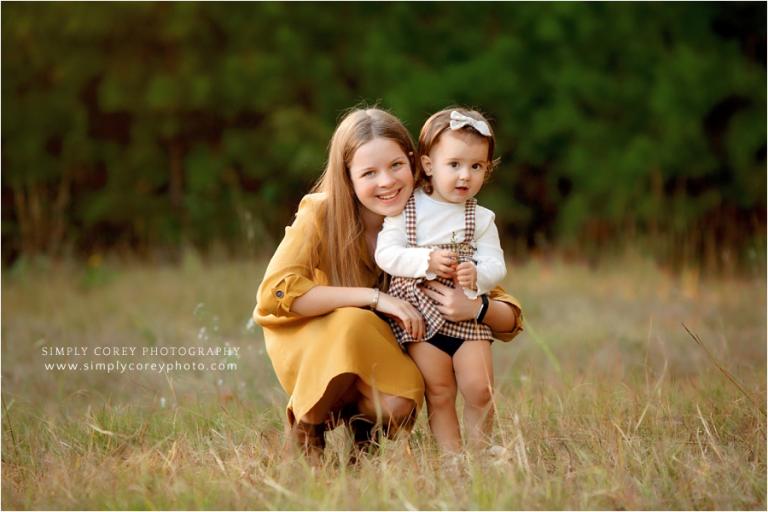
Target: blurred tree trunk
(176, 183)
(42, 215)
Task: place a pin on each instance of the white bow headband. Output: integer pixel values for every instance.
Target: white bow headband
(459, 120)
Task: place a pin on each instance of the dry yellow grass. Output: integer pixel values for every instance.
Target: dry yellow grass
(605, 402)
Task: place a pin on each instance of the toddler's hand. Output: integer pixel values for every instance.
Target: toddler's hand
(442, 262)
(466, 275)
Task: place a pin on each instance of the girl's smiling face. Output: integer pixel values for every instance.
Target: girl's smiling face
(381, 176)
(457, 165)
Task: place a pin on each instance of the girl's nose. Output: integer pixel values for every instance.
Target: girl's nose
(386, 179)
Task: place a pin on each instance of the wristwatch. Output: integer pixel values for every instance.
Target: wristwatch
(483, 309)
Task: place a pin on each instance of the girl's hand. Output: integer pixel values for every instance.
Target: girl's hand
(402, 311)
(442, 262)
(466, 275)
(451, 302)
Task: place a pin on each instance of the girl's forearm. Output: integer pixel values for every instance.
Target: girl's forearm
(324, 299)
(403, 261)
(501, 316)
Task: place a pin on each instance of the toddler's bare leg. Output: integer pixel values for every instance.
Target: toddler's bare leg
(437, 369)
(474, 375)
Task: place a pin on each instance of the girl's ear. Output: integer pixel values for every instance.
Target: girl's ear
(426, 164)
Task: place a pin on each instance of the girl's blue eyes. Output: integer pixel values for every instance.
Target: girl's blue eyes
(395, 165)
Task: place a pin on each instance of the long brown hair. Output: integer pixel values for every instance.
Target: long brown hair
(343, 237)
(435, 126)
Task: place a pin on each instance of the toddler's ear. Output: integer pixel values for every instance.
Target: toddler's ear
(426, 164)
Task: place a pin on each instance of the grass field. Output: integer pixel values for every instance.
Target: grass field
(605, 402)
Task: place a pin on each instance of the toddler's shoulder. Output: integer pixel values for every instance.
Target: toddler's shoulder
(395, 221)
(483, 214)
(420, 197)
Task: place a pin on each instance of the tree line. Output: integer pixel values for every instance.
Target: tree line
(146, 126)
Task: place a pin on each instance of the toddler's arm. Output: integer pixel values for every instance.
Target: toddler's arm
(491, 268)
(394, 256)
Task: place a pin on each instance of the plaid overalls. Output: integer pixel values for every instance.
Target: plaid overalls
(407, 288)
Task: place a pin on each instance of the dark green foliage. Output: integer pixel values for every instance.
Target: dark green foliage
(146, 125)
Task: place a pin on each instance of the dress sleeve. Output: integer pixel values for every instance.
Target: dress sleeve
(499, 294)
(394, 256)
(290, 273)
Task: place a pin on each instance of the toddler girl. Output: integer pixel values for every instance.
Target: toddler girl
(443, 234)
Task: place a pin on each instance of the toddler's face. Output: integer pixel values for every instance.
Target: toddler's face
(457, 164)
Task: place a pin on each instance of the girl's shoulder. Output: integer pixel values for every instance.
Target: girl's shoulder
(483, 212)
(313, 201)
(311, 211)
(312, 204)
(419, 195)
(484, 218)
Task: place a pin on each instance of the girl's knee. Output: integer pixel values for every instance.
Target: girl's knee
(388, 408)
(441, 396)
(397, 408)
(477, 393)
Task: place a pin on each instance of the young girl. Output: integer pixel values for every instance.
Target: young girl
(319, 301)
(443, 234)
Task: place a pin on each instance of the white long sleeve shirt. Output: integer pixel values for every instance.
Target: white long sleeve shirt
(438, 222)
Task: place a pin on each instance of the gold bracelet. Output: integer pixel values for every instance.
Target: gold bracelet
(375, 301)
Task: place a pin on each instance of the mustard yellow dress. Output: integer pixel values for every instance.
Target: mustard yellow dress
(307, 352)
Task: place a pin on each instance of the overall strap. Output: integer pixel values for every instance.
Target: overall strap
(469, 220)
(410, 221)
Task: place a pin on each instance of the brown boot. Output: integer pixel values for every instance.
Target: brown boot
(310, 439)
(365, 433)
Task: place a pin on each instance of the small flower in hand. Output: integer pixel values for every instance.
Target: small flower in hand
(442, 262)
